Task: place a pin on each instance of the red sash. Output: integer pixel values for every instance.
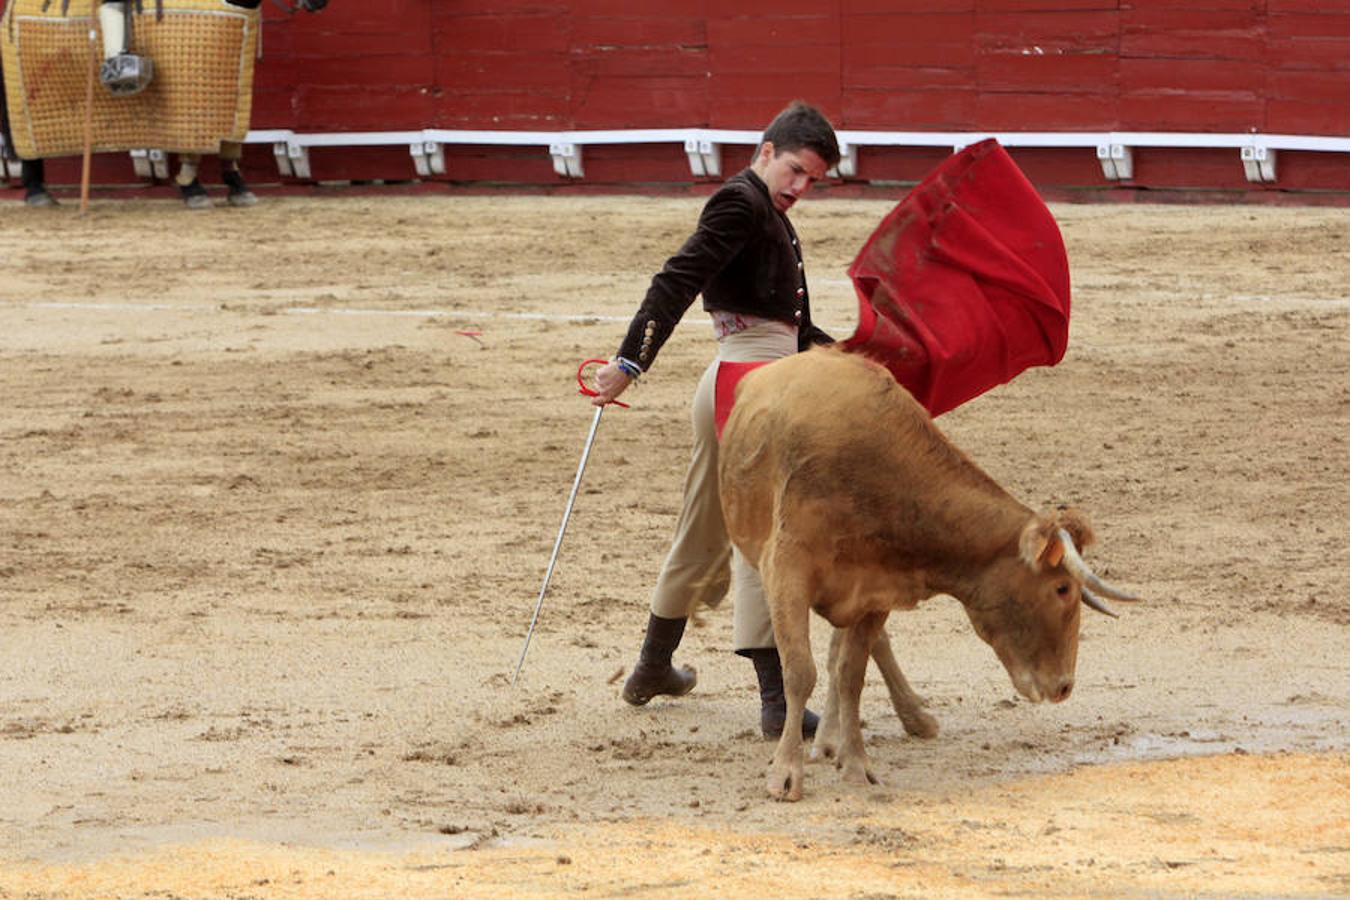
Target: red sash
(728, 374)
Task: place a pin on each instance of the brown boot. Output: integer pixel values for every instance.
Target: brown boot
(653, 673)
(772, 702)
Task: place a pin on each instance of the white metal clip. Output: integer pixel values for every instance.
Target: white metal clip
(566, 159)
(848, 161)
(283, 158)
(1117, 161)
(159, 163)
(1258, 163)
(140, 161)
(299, 159)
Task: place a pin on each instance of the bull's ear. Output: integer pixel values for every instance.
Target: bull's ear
(1076, 524)
(1039, 544)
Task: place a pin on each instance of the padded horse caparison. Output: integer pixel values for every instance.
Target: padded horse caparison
(159, 7)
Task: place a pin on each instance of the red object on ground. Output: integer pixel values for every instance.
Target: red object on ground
(965, 283)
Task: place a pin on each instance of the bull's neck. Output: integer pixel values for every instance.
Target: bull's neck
(967, 544)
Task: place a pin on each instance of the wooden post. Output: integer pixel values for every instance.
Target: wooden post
(87, 163)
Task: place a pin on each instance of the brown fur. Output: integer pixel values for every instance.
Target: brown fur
(840, 490)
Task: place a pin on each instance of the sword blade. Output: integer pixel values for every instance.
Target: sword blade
(557, 544)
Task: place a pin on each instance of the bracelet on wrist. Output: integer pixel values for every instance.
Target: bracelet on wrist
(629, 368)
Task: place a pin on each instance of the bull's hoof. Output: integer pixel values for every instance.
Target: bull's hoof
(785, 782)
(648, 681)
(40, 199)
(920, 725)
(242, 198)
(858, 773)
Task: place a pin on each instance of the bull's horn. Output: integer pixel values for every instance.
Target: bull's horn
(1097, 603)
(1074, 563)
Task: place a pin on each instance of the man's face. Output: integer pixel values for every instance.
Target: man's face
(788, 175)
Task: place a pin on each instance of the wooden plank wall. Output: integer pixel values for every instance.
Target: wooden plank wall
(1278, 66)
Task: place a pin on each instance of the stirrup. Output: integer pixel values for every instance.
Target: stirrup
(126, 74)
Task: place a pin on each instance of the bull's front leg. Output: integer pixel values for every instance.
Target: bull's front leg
(851, 667)
(791, 613)
(908, 705)
(826, 745)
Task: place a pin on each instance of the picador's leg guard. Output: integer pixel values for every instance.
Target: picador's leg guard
(653, 673)
(772, 702)
(122, 72)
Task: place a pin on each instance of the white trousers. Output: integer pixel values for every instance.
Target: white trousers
(695, 570)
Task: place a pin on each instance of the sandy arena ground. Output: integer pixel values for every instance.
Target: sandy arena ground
(272, 527)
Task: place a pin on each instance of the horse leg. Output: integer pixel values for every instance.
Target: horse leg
(230, 154)
(194, 195)
(34, 176)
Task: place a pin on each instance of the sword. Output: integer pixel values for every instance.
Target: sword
(567, 512)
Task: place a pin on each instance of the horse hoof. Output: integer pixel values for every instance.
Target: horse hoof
(194, 195)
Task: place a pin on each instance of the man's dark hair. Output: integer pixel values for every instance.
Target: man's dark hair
(802, 126)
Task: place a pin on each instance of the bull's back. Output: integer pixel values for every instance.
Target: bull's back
(823, 409)
(824, 403)
(835, 431)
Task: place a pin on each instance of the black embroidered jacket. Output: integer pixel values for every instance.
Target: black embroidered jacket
(743, 257)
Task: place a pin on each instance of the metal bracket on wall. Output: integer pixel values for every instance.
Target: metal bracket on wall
(150, 163)
(566, 159)
(292, 159)
(1117, 161)
(428, 157)
(299, 160)
(848, 161)
(283, 159)
(705, 157)
(1258, 163)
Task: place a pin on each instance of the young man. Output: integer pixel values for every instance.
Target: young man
(745, 259)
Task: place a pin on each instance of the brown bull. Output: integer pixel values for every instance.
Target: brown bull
(841, 492)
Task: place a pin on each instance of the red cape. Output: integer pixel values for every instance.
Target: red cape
(961, 287)
(965, 283)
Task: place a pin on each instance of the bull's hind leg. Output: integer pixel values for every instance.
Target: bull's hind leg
(851, 667)
(908, 705)
(790, 610)
(826, 745)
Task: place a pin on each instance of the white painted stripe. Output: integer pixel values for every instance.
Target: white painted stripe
(450, 314)
(344, 311)
(461, 314)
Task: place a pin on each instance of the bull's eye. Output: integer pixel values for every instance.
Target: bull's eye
(1062, 590)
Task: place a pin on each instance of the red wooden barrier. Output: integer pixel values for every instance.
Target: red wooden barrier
(1224, 66)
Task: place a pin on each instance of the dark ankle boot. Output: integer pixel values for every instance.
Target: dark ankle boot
(653, 673)
(772, 701)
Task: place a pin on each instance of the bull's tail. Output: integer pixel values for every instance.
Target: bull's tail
(713, 588)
